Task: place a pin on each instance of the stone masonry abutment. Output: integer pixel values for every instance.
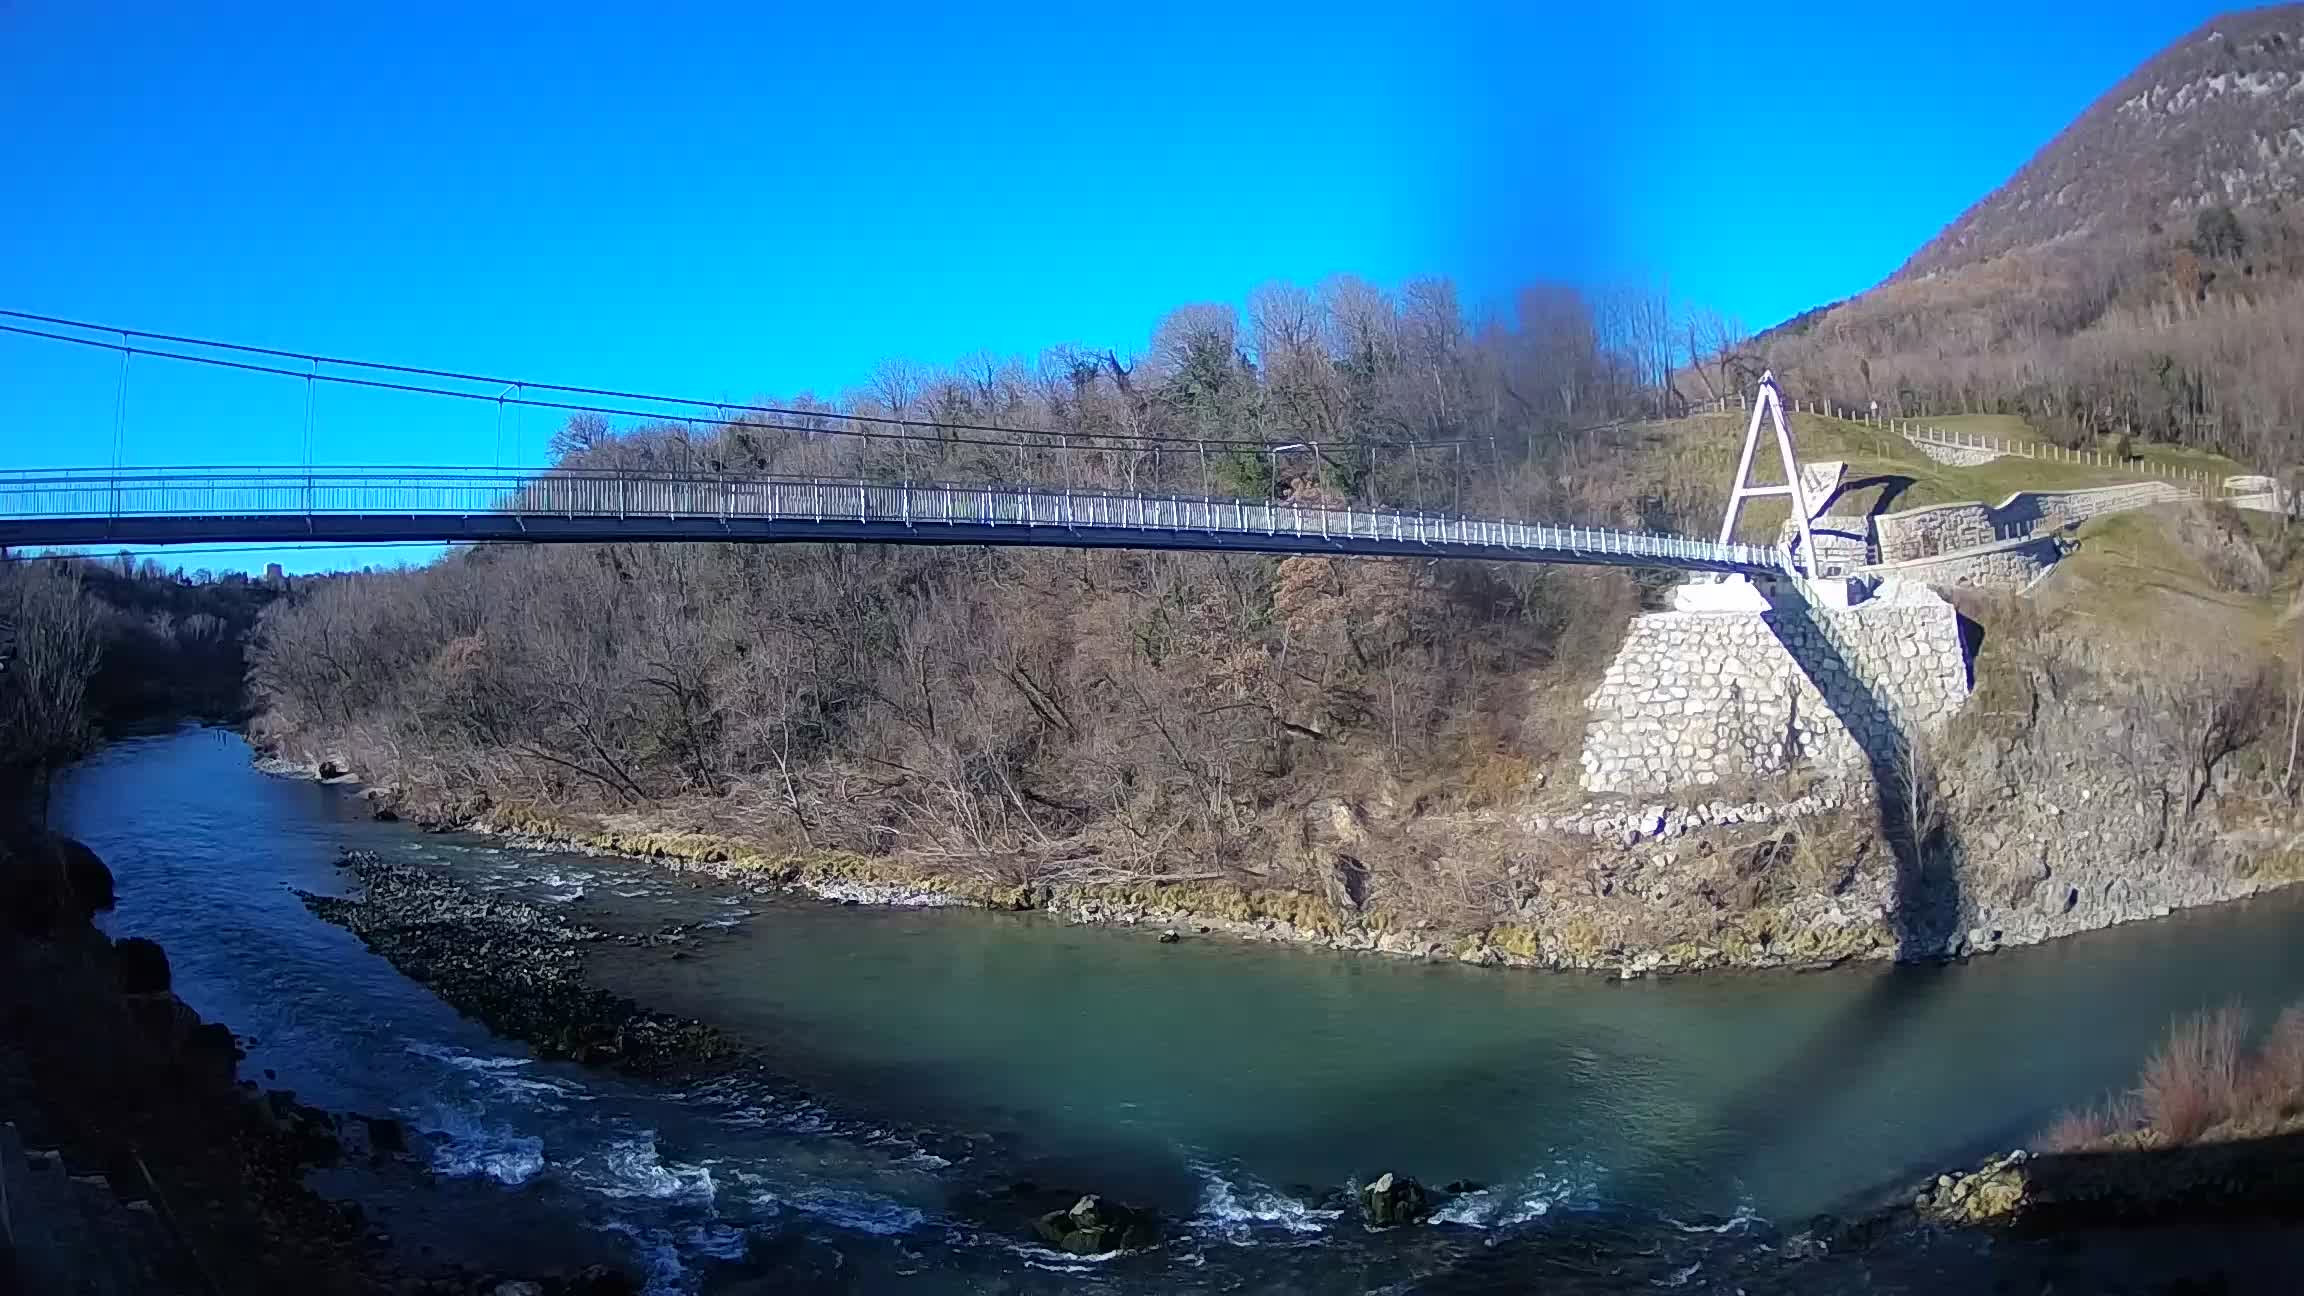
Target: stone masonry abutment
(1695, 698)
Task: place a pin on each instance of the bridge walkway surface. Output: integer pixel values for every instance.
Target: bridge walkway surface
(159, 506)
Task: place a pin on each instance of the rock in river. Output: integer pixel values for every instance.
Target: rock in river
(1094, 1226)
(1394, 1199)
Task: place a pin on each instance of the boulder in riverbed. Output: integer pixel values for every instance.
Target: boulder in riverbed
(1094, 1226)
(1392, 1199)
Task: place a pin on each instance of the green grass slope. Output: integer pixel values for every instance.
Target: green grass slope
(1695, 457)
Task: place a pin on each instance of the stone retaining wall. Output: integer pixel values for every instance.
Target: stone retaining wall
(2008, 565)
(1957, 456)
(1693, 698)
(1843, 543)
(1944, 528)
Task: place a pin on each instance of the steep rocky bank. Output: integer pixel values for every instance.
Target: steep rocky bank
(149, 1165)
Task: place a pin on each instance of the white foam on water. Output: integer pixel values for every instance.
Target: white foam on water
(1509, 1205)
(858, 1212)
(1744, 1218)
(1040, 1257)
(465, 1146)
(740, 1105)
(1678, 1277)
(717, 1240)
(460, 1059)
(539, 1092)
(632, 1168)
(1246, 1212)
(658, 1254)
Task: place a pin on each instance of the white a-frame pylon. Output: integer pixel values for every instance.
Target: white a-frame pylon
(1770, 404)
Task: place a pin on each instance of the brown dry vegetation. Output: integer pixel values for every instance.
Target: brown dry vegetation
(1034, 716)
(2137, 279)
(2132, 336)
(2203, 1083)
(86, 647)
(1354, 735)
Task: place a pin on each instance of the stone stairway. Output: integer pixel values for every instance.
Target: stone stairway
(66, 1232)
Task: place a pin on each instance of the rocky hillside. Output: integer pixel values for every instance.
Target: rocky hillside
(2211, 120)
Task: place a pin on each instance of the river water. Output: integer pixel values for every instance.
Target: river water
(1626, 1134)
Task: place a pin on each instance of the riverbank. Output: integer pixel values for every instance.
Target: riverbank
(1622, 891)
(514, 968)
(1657, 904)
(148, 1165)
(2179, 1224)
(937, 1060)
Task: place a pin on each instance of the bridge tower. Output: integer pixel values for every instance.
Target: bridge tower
(1769, 404)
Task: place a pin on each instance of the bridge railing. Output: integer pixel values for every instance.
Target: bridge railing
(399, 491)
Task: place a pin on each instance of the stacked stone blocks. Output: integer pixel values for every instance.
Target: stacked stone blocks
(1695, 698)
(2009, 565)
(1945, 528)
(1956, 456)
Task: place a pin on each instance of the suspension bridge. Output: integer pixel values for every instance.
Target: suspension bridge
(137, 506)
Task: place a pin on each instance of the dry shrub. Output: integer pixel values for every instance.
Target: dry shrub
(1498, 778)
(1817, 858)
(2199, 1078)
(2276, 1074)
(2217, 539)
(2082, 1128)
(2192, 1081)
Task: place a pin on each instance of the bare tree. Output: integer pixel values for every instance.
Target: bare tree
(50, 629)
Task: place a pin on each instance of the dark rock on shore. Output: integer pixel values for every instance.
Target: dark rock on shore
(188, 1180)
(143, 966)
(1094, 1226)
(86, 876)
(517, 969)
(50, 883)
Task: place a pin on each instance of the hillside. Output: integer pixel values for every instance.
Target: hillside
(2142, 276)
(2212, 119)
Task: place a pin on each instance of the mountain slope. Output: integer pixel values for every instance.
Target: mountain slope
(2142, 277)
(2215, 119)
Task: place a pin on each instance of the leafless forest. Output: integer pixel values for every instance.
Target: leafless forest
(2191, 333)
(1099, 713)
(90, 647)
(1131, 714)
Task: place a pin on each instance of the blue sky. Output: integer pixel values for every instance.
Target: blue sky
(748, 199)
